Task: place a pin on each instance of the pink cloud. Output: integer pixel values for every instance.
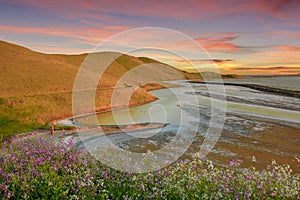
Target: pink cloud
(85, 35)
(210, 40)
(280, 9)
(165, 8)
(96, 14)
(284, 9)
(283, 34)
(220, 44)
(288, 48)
(192, 9)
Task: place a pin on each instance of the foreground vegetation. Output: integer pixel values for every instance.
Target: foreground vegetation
(40, 168)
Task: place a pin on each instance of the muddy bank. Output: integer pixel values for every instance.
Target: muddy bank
(260, 102)
(279, 143)
(116, 129)
(272, 90)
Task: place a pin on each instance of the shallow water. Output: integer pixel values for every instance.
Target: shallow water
(249, 112)
(240, 100)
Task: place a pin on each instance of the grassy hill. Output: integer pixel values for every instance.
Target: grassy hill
(36, 88)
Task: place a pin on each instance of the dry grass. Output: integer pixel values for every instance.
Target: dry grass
(36, 88)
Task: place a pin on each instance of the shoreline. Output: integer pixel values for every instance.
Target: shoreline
(99, 111)
(268, 89)
(105, 109)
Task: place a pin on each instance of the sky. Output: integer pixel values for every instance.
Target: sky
(238, 36)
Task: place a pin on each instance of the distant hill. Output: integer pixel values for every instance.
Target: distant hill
(36, 88)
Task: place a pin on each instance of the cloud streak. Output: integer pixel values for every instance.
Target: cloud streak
(86, 35)
(219, 61)
(287, 48)
(282, 68)
(220, 44)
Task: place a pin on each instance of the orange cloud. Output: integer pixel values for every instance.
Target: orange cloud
(219, 61)
(288, 48)
(222, 47)
(264, 68)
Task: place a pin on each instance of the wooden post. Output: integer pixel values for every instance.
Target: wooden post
(52, 126)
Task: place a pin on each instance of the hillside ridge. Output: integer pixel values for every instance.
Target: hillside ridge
(36, 88)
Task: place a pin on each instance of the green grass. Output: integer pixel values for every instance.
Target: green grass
(10, 127)
(230, 76)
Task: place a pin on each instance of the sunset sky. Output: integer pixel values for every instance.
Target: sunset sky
(243, 37)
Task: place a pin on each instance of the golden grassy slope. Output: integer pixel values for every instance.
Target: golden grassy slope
(36, 88)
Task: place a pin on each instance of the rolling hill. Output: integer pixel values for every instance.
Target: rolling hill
(36, 88)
